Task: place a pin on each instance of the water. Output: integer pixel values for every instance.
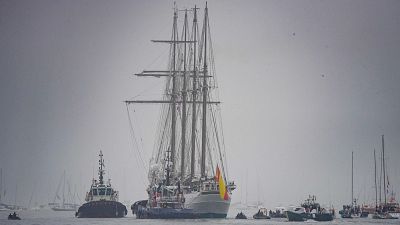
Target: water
(49, 217)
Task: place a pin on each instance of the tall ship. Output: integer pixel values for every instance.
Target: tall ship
(188, 175)
(102, 199)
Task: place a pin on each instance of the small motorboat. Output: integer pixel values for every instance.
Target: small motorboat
(378, 215)
(298, 214)
(241, 216)
(261, 214)
(14, 216)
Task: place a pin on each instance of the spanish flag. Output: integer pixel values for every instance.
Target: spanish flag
(223, 192)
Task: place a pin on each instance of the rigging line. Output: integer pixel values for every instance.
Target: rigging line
(218, 142)
(163, 53)
(210, 156)
(135, 141)
(164, 132)
(223, 139)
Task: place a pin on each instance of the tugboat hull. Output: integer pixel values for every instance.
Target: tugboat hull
(102, 209)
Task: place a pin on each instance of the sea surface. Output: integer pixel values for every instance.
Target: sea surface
(49, 217)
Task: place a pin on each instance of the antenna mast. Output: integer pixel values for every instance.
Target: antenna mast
(101, 165)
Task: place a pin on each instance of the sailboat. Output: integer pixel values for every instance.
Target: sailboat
(385, 209)
(353, 210)
(3, 207)
(188, 177)
(64, 205)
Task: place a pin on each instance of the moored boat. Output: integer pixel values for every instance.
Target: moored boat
(310, 209)
(241, 216)
(261, 214)
(352, 210)
(297, 214)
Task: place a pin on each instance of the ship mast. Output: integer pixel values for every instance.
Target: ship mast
(173, 94)
(376, 186)
(352, 179)
(184, 96)
(194, 96)
(205, 93)
(384, 168)
(101, 170)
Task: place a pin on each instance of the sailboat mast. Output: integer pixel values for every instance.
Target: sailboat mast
(194, 96)
(1, 183)
(380, 180)
(63, 197)
(352, 179)
(184, 94)
(376, 186)
(384, 168)
(204, 126)
(173, 94)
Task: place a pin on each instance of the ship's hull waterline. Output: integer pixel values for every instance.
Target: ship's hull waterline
(208, 204)
(101, 209)
(198, 205)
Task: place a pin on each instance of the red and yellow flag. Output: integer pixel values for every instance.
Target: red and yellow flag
(223, 192)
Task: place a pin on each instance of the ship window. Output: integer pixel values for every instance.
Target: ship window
(108, 191)
(94, 191)
(102, 191)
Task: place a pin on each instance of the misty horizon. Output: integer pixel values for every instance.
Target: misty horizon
(303, 84)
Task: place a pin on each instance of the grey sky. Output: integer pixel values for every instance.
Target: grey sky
(303, 83)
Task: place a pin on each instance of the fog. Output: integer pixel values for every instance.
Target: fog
(303, 84)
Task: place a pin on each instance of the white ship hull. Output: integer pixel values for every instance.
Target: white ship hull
(207, 204)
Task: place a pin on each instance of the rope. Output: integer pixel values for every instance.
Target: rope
(138, 159)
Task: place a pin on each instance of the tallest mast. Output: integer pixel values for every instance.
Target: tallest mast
(184, 96)
(173, 94)
(194, 96)
(205, 87)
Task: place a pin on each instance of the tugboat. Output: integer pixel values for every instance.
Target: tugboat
(102, 199)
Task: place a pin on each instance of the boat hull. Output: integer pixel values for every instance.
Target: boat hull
(297, 217)
(261, 217)
(323, 217)
(61, 210)
(164, 213)
(101, 209)
(208, 204)
(383, 216)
